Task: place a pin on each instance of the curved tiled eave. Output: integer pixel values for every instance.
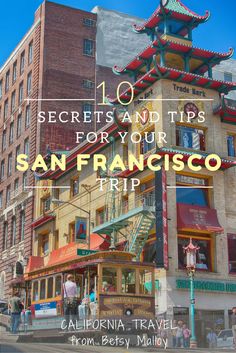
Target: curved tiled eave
(226, 112)
(162, 72)
(177, 10)
(206, 56)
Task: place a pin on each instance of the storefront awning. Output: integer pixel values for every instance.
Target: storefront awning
(42, 220)
(197, 218)
(34, 263)
(69, 252)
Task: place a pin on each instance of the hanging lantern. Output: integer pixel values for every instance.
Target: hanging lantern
(191, 255)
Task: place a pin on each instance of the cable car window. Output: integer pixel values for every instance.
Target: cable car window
(36, 291)
(128, 281)
(145, 280)
(50, 287)
(58, 286)
(42, 288)
(109, 280)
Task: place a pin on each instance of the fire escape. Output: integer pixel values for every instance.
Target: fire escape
(132, 219)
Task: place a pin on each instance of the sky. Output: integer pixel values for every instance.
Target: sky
(218, 34)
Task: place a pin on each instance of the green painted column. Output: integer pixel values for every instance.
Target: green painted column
(186, 63)
(165, 27)
(163, 59)
(193, 341)
(190, 34)
(210, 74)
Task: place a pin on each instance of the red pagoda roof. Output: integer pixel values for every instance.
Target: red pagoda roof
(163, 72)
(177, 10)
(172, 46)
(226, 111)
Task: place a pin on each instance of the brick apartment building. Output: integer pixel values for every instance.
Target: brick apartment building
(55, 59)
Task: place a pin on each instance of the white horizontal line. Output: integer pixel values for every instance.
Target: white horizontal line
(47, 187)
(169, 187)
(177, 99)
(59, 99)
(190, 187)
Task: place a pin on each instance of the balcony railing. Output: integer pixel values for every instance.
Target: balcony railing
(146, 200)
(17, 192)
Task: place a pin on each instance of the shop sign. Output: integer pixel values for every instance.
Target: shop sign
(189, 90)
(45, 309)
(208, 286)
(80, 230)
(84, 252)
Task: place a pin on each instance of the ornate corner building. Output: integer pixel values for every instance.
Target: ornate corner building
(157, 219)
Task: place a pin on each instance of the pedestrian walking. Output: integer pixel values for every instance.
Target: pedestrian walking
(70, 299)
(212, 339)
(186, 336)
(180, 335)
(16, 307)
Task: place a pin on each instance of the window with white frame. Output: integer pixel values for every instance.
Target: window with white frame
(7, 81)
(29, 83)
(2, 170)
(4, 140)
(30, 53)
(89, 22)
(89, 47)
(14, 72)
(5, 235)
(8, 195)
(27, 116)
(22, 62)
(21, 92)
(9, 165)
(5, 109)
(11, 134)
(13, 101)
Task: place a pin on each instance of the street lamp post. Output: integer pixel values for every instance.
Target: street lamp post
(191, 253)
(60, 202)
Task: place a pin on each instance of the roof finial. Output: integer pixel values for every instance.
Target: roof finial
(164, 2)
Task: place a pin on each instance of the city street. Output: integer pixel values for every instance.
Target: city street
(11, 347)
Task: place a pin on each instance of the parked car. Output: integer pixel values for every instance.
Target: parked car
(225, 339)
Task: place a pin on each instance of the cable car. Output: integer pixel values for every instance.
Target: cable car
(121, 287)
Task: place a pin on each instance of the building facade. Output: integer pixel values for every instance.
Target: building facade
(43, 66)
(57, 59)
(198, 204)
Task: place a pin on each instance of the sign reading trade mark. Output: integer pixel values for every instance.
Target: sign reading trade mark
(185, 89)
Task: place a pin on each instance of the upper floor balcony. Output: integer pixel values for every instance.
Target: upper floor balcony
(118, 214)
